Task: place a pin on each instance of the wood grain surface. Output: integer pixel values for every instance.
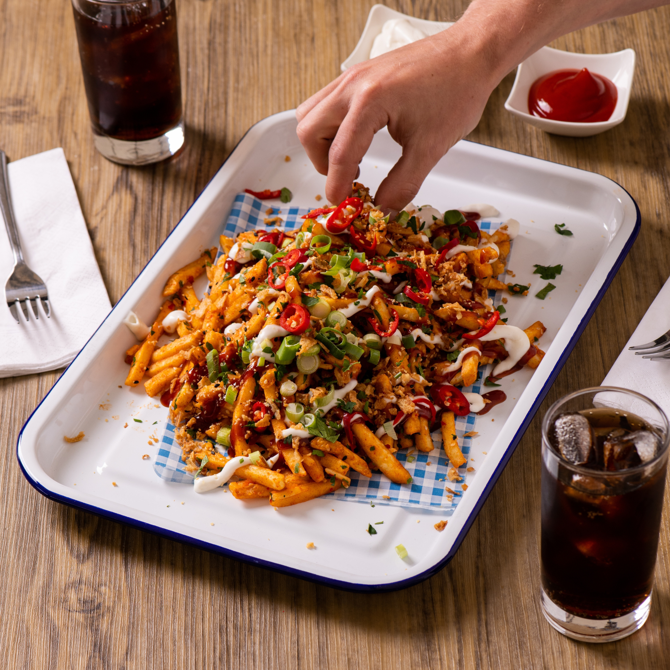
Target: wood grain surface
(80, 592)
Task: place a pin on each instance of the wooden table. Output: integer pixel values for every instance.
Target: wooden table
(80, 592)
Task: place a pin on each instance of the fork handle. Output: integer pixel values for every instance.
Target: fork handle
(8, 212)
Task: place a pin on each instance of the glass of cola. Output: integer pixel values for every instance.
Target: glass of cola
(604, 460)
(130, 62)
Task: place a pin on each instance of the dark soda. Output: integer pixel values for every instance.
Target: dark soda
(130, 61)
(600, 533)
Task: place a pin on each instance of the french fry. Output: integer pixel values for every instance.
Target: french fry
(346, 482)
(334, 463)
(294, 290)
(293, 461)
(297, 493)
(454, 453)
(257, 273)
(189, 297)
(189, 273)
(161, 381)
(175, 361)
(264, 476)
(535, 331)
(278, 426)
(408, 313)
(242, 406)
(214, 340)
(412, 426)
(248, 490)
(356, 462)
(422, 440)
(469, 368)
(380, 455)
(174, 347)
(379, 304)
(141, 362)
(267, 382)
(251, 328)
(335, 448)
(312, 464)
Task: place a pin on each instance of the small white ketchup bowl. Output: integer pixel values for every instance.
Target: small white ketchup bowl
(618, 67)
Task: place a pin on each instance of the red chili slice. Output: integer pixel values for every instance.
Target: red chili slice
(451, 398)
(393, 326)
(318, 212)
(347, 420)
(358, 266)
(485, 329)
(272, 238)
(258, 411)
(276, 277)
(295, 319)
(267, 194)
(294, 257)
(425, 408)
(446, 248)
(423, 280)
(342, 217)
(417, 297)
(362, 243)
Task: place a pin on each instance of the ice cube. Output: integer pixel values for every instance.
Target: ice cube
(646, 444)
(619, 452)
(574, 438)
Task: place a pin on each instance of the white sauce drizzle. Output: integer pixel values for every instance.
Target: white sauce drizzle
(516, 344)
(172, 319)
(295, 432)
(484, 210)
(232, 327)
(394, 339)
(204, 484)
(350, 310)
(476, 401)
(253, 307)
(431, 339)
(240, 253)
(459, 361)
(136, 326)
(512, 228)
(399, 287)
(457, 345)
(267, 333)
(424, 238)
(384, 276)
(338, 395)
(426, 214)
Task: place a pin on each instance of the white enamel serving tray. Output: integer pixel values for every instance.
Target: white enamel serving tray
(105, 472)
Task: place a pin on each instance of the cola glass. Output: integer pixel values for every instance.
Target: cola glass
(130, 62)
(604, 461)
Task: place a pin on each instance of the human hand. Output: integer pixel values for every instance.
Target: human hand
(429, 94)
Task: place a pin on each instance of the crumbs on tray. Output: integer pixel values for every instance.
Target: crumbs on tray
(77, 438)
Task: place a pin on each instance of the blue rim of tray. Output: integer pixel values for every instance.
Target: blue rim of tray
(302, 574)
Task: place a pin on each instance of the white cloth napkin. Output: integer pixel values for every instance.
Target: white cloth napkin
(56, 245)
(650, 378)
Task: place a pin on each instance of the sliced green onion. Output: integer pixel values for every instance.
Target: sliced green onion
(223, 436)
(336, 318)
(453, 216)
(324, 400)
(439, 242)
(255, 457)
(286, 242)
(320, 310)
(352, 337)
(372, 341)
(288, 388)
(288, 350)
(261, 362)
(299, 240)
(308, 420)
(408, 342)
(317, 452)
(375, 356)
(314, 350)
(401, 551)
(213, 367)
(266, 249)
(334, 341)
(338, 262)
(353, 350)
(321, 243)
(390, 430)
(402, 218)
(345, 275)
(295, 412)
(231, 394)
(308, 364)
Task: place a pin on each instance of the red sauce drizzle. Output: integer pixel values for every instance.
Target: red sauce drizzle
(494, 398)
(578, 96)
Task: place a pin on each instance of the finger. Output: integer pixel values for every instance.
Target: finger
(308, 105)
(348, 149)
(406, 177)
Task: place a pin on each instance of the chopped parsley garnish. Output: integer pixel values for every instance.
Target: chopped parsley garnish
(347, 405)
(562, 230)
(412, 223)
(203, 463)
(371, 530)
(488, 382)
(309, 302)
(321, 429)
(191, 433)
(548, 271)
(296, 470)
(286, 195)
(452, 356)
(545, 291)
(501, 309)
(317, 452)
(408, 264)
(517, 289)
(378, 523)
(137, 420)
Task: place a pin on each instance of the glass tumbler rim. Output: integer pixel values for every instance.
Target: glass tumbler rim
(580, 469)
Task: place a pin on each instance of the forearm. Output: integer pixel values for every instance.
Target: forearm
(511, 30)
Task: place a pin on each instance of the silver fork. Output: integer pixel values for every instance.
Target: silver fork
(657, 350)
(23, 285)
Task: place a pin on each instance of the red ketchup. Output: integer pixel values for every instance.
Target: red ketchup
(578, 96)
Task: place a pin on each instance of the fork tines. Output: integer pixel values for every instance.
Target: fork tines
(34, 308)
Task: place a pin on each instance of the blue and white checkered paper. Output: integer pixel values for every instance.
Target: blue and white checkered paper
(428, 470)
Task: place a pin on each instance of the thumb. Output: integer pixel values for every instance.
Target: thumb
(406, 177)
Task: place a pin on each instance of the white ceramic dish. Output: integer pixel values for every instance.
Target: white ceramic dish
(378, 16)
(619, 67)
(105, 472)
